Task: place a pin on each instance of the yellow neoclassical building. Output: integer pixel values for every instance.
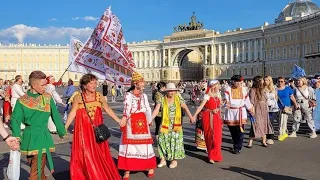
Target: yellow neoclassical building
(192, 52)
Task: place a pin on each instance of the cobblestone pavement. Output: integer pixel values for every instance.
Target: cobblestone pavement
(295, 159)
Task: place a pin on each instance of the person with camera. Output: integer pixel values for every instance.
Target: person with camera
(90, 159)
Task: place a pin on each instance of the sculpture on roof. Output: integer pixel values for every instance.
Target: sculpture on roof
(193, 25)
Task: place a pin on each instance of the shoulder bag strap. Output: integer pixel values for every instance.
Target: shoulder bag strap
(302, 93)
(85, 106)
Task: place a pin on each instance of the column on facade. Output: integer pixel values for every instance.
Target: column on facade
(163, 57)
(205, 55)
(151, 59)
(255, 49)
(220, 53)
(213, 54)
(169, 57)
(136, 58)
(226, 53)
(231, 52)
(237, 52)
(249, 51)
(261, 53)
(243, 52)
(140, 59)
(155, 58)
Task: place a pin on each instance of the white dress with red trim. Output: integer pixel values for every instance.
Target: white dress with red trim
(136, 151)
(239, 101)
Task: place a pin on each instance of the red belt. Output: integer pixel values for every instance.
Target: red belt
(240, 116)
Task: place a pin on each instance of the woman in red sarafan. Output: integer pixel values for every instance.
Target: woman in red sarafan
(212, 123)
(90, 160)
(7, 109)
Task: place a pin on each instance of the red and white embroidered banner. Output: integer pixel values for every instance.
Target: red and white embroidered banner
(106, 51)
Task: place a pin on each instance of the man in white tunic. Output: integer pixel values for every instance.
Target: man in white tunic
(17, 92)
(237, 103)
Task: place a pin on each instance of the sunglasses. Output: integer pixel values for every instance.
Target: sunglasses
(280, 81)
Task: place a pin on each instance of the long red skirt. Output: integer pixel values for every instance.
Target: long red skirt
(90, 160)
(213, 136)
(7, 110)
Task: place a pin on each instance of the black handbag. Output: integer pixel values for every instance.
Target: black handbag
(101, 132)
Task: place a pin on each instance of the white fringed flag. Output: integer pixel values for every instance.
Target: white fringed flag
(106, 51)
(74, 48)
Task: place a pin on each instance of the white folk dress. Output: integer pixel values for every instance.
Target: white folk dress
(239, 101)
(136, 151)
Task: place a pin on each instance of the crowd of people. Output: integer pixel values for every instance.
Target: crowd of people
(32, 116)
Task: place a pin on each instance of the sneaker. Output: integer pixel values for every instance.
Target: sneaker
(285, 135)
(281, 137)
(293, 135)
(313, 135)
(270, 141)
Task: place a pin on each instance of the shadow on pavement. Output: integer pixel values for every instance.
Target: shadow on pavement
(258, 174)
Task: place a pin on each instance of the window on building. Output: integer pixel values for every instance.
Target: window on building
(246, 56)
(304, 49)
(233, 71)
(252, 57)
(271, 54)
(278, 39)
(259, 55)
(311, 32)
(239, 71)
(311, 48)
(305, 33)
(152, 75)
(284, 53)
(291, 36)
(278, 56)
(270, 40)
(247, 44)
(298, 35)
(245, 71)
(284, 70)
(234, 57)
(251, 71)
(265, 41)
(265, 54)
(284, 38)
(147, 75)
(298, 51)
(291, 52)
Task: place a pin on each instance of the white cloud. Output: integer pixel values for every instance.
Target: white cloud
(20, 32)
(90, 18)
(75, 18)
(53, 19)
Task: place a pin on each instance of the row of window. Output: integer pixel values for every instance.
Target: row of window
(31, 65)
(283, 53)
(293, 36)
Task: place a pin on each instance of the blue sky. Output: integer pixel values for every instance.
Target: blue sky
(51, 22)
